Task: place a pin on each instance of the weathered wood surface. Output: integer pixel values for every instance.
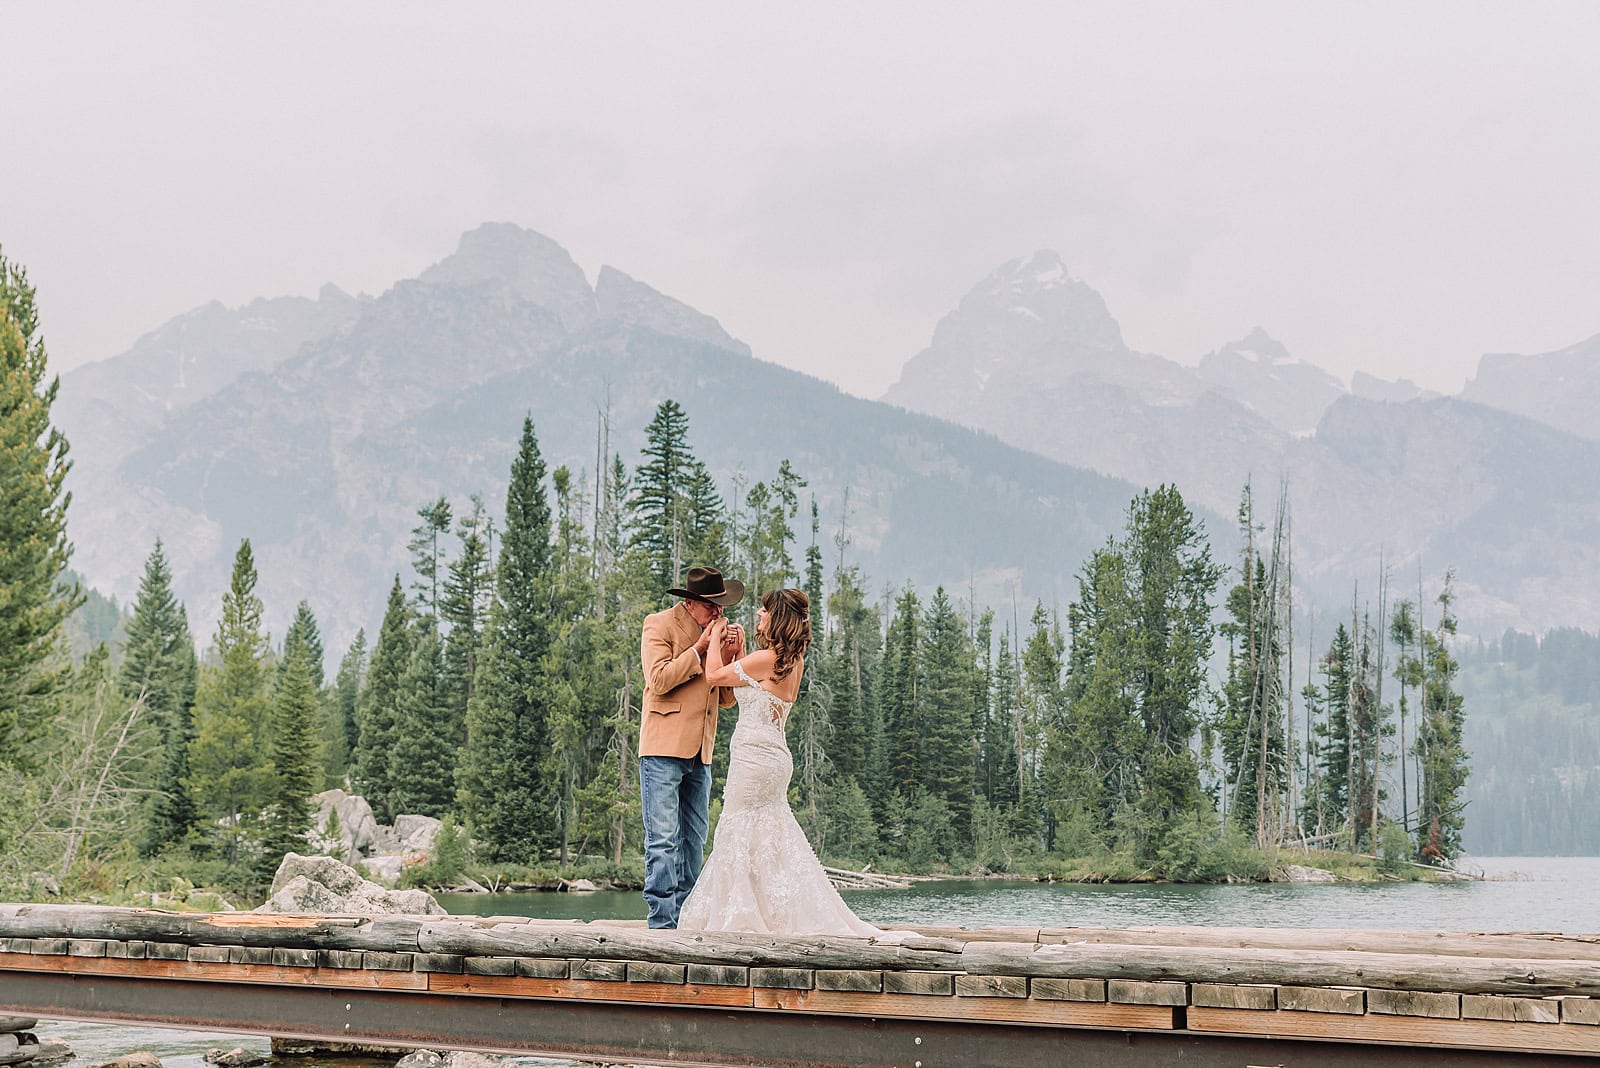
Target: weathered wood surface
(1532, 945)
(1400, 971)
(58, 928)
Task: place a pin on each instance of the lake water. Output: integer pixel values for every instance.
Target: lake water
(1519, 894)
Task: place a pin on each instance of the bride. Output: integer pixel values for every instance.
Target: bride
(763, 876)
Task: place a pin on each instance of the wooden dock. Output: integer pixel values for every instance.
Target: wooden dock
(939, 997)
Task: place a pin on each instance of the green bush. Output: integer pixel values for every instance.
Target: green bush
(1395, 851)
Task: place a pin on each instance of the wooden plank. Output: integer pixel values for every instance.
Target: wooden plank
(783, 978)
(1548, 946)
(389, 962)
(642, 971)
(717, 975)
(131, 950)
(211, 954)
(543, 968)
(1131, 992)
(438, 962)
(1228, 996)
(250, 954)
(295, 958)
(586, 990)
(1414, 1003)
(221, 971)
(926, 984)
(1580, 1010)
(340, 958)
(1000, 1010)
(846, 979)
(1068, 989)
(1520, 1010)
(1347, 1000)
(991, 986)
(609, 971)
(86, 947)
(1282, 967)
(1399, 1030)
(490, 965)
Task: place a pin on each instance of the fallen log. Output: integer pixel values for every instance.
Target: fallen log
(1286, 967)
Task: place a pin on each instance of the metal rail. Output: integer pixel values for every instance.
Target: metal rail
(674, 1035)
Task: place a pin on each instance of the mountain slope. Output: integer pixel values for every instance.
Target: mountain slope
(323, 458)
(1559, 388)
(1513, 504)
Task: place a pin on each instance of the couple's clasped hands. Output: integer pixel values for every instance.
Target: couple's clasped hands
(727, 638)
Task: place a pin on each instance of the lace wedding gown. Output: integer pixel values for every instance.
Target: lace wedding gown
(763, 875)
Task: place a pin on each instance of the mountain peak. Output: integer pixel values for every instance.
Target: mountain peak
(531, 265)
(1258, 347)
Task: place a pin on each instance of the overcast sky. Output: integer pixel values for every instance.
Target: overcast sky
(1390, 187)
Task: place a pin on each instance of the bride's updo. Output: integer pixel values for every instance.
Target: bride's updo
(788, 628)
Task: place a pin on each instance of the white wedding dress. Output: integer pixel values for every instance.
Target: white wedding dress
(763, 876)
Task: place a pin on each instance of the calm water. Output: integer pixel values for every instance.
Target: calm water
(1520, 894)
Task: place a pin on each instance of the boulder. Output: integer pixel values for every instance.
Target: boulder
(420, 1058)
(315, 1047)
(1299, 873)
(386, 868)
(52, 1053)
(358, 829)
(462, 1059)
(237, 1057)
(416, 833)
(323, 885)
(17, 1023)
(142, 1059)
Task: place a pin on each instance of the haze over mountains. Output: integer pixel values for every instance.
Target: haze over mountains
(1495, 483)
(317, 427)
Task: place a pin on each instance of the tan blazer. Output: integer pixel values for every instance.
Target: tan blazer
(680, 710)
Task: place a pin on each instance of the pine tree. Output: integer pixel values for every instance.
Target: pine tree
(503, 779)
(1335, 734)
(426, 738)
(849, 669)
(296, 762)
(229, 767)
(424, 546)
(345, 733)
(33, 518)
(463, 605)
(158, 663)
(901, 696)
(380, 703)
(1441, 806)
(662, 511)
(1173, 581)
(948, 711)
(303, 631)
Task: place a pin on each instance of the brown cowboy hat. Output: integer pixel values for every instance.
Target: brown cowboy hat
(707, 584)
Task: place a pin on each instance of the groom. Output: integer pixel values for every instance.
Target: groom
(678, 735)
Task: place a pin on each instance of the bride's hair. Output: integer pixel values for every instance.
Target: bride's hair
(788, 628)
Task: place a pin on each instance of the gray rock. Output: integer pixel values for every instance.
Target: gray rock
(142, 1059)
(387, 867)
(237, 1057)
(420, 1058)
(358, 828)
(416, 833)
(461, 1059)
(52, 1053)
(17, 1023)
(312, 1047)
(1299, 873)
(323, 885)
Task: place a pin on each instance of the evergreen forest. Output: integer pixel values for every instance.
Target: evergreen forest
(1156, 726)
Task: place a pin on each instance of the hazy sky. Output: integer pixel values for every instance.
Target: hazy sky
(1394, 187)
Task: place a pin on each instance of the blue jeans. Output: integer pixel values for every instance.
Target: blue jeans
(676, 798)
